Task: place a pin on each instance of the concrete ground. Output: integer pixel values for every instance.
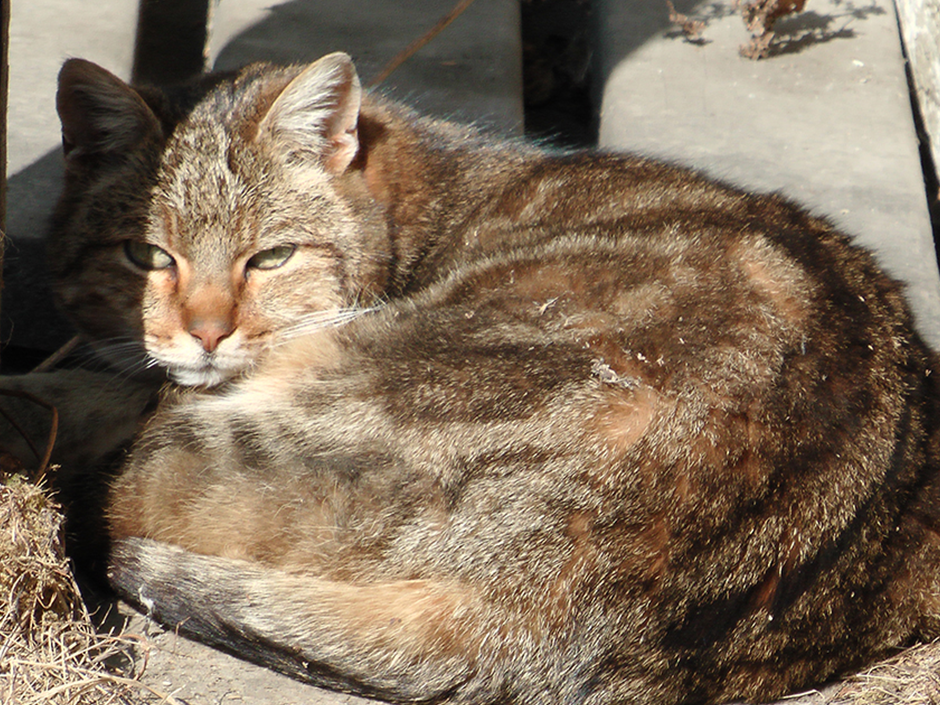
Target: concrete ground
(826, 121)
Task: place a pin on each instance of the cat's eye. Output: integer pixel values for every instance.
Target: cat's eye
(147, 256)
(273, 258)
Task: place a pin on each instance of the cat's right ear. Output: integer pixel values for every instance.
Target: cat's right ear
(100, 113)
(317, 114)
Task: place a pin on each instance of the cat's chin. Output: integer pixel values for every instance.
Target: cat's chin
(202, 377)
(200, 369)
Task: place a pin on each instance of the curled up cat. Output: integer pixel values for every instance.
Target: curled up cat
(464, 420)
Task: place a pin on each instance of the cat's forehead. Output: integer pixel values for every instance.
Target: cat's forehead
(222, 178)
(225, 118)
(235, 106)
(196, 168)
(221, 140)
(212, 189)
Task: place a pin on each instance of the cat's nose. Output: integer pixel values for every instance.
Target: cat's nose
(210, 332)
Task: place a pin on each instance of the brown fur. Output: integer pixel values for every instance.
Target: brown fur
(596, 429)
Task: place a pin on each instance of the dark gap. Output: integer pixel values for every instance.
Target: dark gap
(4, 81)
(18, 360)
(171, 41)
(556, 76)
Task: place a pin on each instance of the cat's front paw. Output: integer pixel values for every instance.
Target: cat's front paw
(81, 415)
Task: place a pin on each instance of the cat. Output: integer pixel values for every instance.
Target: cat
(466, 420)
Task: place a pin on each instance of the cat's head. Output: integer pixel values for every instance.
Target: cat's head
(194, 233)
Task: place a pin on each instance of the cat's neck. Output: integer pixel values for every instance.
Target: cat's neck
(429, 178)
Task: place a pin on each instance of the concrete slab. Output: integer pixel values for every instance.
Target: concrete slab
(472, 71)
(827, 122)
(42, 36)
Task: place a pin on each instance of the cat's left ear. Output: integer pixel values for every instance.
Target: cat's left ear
(318, 113)
(100, 114)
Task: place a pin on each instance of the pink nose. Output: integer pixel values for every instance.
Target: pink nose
(210, 332)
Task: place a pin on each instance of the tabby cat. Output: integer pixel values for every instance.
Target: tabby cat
(463, 420)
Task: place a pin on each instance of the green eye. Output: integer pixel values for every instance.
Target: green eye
(147, 256)
(273, 258)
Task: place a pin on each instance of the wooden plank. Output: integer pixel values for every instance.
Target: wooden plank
(4, 81)
(920, 30)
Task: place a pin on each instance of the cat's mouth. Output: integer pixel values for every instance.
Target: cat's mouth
(203, 370)
(190, 365)
(204, 376)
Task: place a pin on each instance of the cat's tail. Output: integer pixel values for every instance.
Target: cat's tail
(406, 640)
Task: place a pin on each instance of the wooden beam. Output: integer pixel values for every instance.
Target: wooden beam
(920, 30)
(4, 83)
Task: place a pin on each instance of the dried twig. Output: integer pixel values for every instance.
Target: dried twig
(53, 429)
(691, 29)
(412, 48)
(759, 17)
(56, 357)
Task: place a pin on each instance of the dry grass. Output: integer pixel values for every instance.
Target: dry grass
(911, 678)
(50, 652)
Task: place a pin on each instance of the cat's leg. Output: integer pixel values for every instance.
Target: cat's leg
(406, 640)
(395, 638)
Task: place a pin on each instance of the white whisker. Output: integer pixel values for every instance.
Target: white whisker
(122, 357)
(319, 320)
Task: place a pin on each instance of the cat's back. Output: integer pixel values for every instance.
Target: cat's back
(727, 426)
